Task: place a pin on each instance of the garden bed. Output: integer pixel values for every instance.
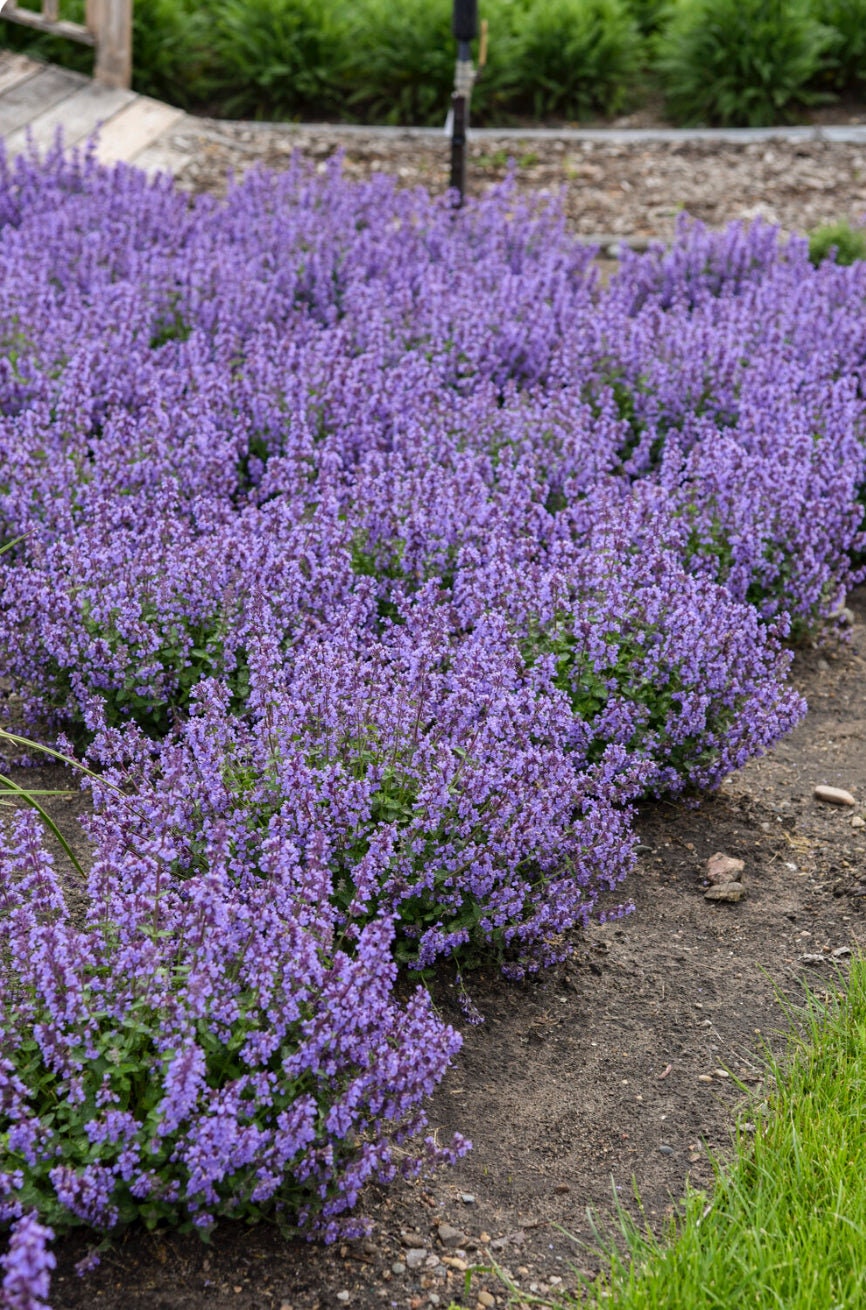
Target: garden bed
(384, 567)
(554, 1119)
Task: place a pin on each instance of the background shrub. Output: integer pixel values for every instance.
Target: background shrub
(740, 62)
(845, 58)
(574, 58)
(399, 60)
(275, 59)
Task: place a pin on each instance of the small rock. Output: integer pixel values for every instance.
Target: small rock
(858, 822)
(555, 1280)
(486, 1299)
(484, 1238)
(562, 1188)
(833, 796)
(726, 891)
(398, 1267)
(814, 959)
(433, 1298)
(415, 1257)
(666, 1150)
(343, 1298)
(454, 1262)
(840, 951)
(467, 1198)
(450, 1236)
(705, 1077)
(721, 1073)
(724, 869)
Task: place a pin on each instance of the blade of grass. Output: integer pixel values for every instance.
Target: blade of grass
(29, 798)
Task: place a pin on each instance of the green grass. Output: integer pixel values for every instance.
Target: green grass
(785, 1225)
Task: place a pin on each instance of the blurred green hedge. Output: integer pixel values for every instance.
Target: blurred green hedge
(376, 61)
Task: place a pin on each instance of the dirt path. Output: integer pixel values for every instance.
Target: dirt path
(607, 1069)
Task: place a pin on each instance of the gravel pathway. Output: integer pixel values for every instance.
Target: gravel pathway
(617, 185)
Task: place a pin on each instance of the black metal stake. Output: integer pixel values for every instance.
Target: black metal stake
(459, 124)
(465, 29)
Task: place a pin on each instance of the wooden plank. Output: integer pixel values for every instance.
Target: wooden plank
(110, 21)
(30, 18)
(15, 69)
(38, 93)
(161, 158)
(135, 128)
(77, 117)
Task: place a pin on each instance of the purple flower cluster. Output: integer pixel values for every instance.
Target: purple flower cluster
(201, 1047)
(381, 558)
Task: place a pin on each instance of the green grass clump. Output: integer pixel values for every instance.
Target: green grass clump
(846, 243)
(785, 1226)
(748, 63)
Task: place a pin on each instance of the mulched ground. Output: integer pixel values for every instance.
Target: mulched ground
(611, 189)
(623, 1068)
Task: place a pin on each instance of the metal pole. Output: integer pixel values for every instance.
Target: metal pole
(465, 29)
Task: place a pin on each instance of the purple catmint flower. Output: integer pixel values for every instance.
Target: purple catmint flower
(27, 1265)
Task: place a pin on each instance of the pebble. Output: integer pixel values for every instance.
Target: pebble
(726, 891)
(705, 1077)
(858, 822)
(666, 1150)
(398, 1267)
(724, 869)
(467, 1198)
(486, 1299)
(343, 1298)
(451, 1236)
(833, 796)
(415, 1257)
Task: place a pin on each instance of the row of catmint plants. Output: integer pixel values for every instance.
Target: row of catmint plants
(379, 559)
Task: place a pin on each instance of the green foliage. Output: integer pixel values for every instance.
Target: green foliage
(276, 59)
(648, 14)
(845, 60)
(740, 62)
(574, 58)
(171, 54)
(785, 1225)
(400, 60)
(840, 241)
